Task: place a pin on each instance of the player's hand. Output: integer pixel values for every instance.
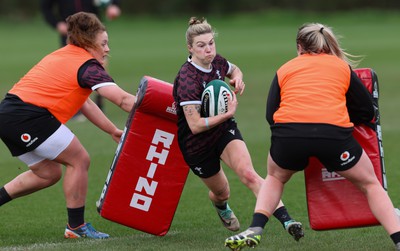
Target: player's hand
(238, 84)
(116, 135)
(232, 105)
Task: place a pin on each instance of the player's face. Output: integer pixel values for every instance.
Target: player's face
(203, 50)
(102, 49)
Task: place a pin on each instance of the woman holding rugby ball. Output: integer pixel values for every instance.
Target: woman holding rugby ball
(205, 141)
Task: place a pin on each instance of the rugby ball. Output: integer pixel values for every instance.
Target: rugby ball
(214, 99)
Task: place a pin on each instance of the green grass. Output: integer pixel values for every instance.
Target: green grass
(258, 43)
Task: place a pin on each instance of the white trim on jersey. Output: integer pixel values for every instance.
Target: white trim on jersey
(198, 66)
(229, 69)
(209, 70)
(190, 103)
(95, 87)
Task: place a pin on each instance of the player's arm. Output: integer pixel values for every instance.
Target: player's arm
(198, 124)
(236, 79)
(274, 100)
(118, 96)
(93, 75)
(359, 101)
(93, 113)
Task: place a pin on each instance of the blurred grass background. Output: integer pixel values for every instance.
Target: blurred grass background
(143, 45)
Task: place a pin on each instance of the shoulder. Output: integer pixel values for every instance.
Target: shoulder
(92, 73)
(92, 66)
(220, 59)
(186, 72)
(221, 64)
(187, 66)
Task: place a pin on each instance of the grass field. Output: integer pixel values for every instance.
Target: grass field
(258, 44)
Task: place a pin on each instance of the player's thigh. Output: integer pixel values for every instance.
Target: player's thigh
(237, 157)
(47, 169)
(274, 170)
(362, 173)
(74, 155)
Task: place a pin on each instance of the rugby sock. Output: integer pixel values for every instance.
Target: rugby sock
(76, 216)
(395, 237)
(282, 215)
(221, 207)
(4, 196)
(259, 220)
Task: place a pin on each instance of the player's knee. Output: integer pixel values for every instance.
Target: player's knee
(83, 161)
(250, 178)
(48, 173)
(56, 176)
(51, 177)
(86, 161)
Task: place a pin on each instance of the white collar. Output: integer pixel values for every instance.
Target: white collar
(198, 66)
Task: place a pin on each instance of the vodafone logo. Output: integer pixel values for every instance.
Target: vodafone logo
(345, 156)
(26, 137)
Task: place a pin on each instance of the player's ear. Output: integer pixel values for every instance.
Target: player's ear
(190, 49)
(299, 49)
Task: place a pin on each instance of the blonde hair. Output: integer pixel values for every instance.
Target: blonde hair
(198, 27)
(318, 38)
(83, 28)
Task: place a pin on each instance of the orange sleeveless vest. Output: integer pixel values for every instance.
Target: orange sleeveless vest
(53, 83)
(313, 90)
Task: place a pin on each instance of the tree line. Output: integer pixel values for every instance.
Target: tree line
(30, 8)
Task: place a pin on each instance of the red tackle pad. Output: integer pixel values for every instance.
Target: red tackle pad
(334, 202)
(148, 173)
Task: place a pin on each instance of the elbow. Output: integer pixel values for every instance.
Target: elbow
(196, 130)
(370, 114)
(196, 126)
(128, 103)
(269, 118)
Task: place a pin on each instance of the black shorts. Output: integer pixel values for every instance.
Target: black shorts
(208, 164)
(336, 155)
(23, 126)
